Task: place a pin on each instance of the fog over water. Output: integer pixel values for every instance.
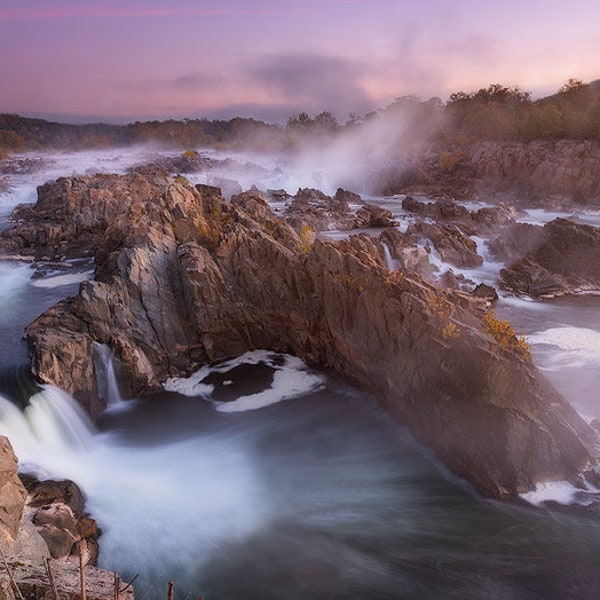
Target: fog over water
(262, 478)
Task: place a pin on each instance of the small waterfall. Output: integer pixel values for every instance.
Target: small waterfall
(49, 430)
(106, 377)
(391, 263)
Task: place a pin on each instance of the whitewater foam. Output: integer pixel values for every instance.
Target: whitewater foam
(291, 378)
(573, 346)
(562, 492)
(60, 280)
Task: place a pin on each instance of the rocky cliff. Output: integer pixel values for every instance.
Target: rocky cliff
(544, 173)
(183, 279)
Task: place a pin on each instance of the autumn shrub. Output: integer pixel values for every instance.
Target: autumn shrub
(307, 238)
(505, 336)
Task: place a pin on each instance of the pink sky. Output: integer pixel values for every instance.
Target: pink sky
(129, 59)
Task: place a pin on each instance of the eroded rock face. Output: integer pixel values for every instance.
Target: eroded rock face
(561, 258)
(183, 279)
(72, 214)
(12, 492)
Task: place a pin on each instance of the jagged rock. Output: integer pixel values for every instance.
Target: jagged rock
(347, 197)
(12, 493)
(487, 292)
(71, 215)
(370, 215)
(280, 194)
(404, 249)
(545, 173)
(183, 280)
(315, 209)
(42, 493)
(451, 244)
(563, 258)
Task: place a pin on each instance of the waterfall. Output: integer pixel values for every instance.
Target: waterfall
(49, 431)
(106, 377)
(391, 263)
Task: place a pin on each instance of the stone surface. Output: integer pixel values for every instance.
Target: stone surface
(184, 279)
(12, 493)
(550, 174)
(563, 258)
(32, 579)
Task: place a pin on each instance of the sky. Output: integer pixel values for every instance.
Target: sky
(119, 61)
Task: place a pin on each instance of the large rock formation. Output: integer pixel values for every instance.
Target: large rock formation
(545, 173)
(184, 279)
(560, 258)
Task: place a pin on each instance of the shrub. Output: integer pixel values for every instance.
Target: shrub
(307, 238)
(505, 336)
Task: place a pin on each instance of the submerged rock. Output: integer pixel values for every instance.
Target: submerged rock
(184, 279)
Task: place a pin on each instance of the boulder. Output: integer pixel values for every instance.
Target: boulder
(312, 208)
(371, 215)
(487, 292)
(184, 280)
(563, 258)
(450, 243)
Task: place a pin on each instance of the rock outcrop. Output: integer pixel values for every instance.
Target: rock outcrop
(46, 519)
(560, 258)
(545, 173)
(183, 280)
(12, 493)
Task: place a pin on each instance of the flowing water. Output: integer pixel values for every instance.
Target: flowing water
(260, 478)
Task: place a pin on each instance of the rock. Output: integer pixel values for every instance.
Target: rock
(450, 243)
(563, 259)
(280, 194)
(71, 215)
(33, 581)
(546, 173)
(183, 280)
(12, 493)
(59, 541)
(370, 215)
(312, 208)
(59, 515)
(406, 252)
(487, 292)
(345, 197)
(42, 493)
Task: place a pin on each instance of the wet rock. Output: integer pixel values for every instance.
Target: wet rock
(406, 252)
(370, 215)
(280, 194)
(312, 208)
(450, 243)
(564, 258)
(487, 292)
(184, 280)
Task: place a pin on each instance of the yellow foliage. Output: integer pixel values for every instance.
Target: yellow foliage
(393, 277)
(450, 330)
(506, 337)
(307, 238)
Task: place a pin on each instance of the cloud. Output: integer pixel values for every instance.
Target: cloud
(316, 82)
(197, 80)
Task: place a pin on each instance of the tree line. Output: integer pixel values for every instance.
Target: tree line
(496, 112)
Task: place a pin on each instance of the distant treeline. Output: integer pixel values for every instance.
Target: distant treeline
(493, 113)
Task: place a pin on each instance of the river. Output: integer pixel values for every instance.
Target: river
(307, 489)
